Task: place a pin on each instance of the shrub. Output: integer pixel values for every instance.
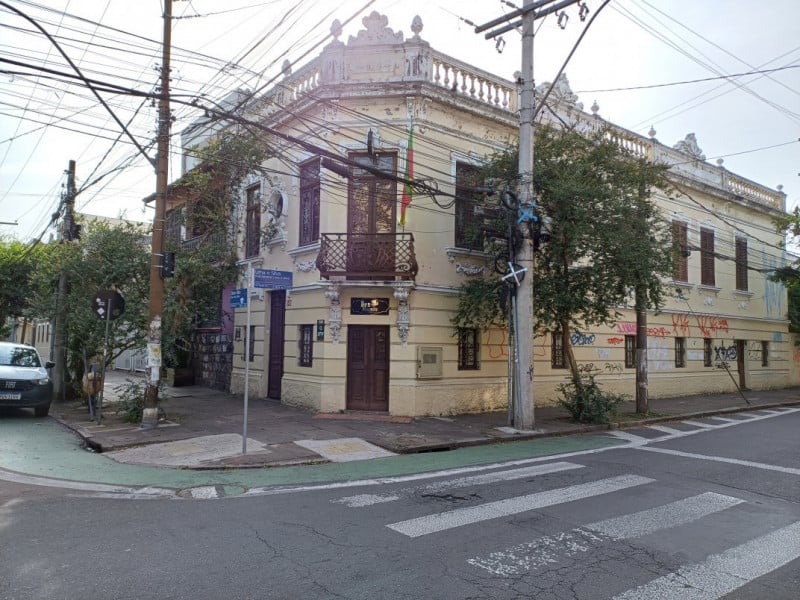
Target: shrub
(586, 402)
(131, 399)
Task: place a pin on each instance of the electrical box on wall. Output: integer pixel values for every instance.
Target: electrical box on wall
(429, 362)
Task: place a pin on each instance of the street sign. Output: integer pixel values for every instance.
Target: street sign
(239, 298)
(105, 300)
(273, 280)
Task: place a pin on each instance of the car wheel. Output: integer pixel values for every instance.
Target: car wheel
(41, 411)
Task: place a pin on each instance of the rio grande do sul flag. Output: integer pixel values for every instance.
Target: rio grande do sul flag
(409, 177)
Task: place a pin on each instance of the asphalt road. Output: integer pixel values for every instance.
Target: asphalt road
(683, 511)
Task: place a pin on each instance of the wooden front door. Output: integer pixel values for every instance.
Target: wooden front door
(368, 367)
(277, 319)
(371, 210)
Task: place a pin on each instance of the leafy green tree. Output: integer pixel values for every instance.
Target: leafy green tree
(17, 264)
(106, 257)
(789, 225)
(213, 195)
(606, 236)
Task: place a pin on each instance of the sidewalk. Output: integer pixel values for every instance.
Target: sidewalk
(203, 428)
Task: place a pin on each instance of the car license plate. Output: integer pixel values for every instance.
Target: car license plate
(10, 396)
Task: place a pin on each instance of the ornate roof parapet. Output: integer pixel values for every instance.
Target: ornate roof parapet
(689, 146)
(376, 31)
(562, 92)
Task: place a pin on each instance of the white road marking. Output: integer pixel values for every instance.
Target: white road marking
(81, 486)
(723, 459)
(553, 549)
(665, 429)
(700, 424)
(512, 506)
(205, 492)
(723, 573)
(631, 437)
(362, 500)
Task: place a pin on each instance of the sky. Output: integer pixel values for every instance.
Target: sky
(724, 71)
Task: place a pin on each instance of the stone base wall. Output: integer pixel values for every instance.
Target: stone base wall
(214, 361)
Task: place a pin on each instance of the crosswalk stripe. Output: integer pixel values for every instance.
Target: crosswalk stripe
(723, 573)
(700, 424)
(722, 459)
(511, 506)
(361, 500)
(631, 437)
(665, 429)
(673, 514)
(523, 558)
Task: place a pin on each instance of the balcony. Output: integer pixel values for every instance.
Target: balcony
(376, 256)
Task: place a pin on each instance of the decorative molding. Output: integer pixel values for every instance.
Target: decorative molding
(303, 250)
(376, 32)
(689, 146)
(306, 266)
(401, 294)
(333, 294)
(470, 270)
(562, 92)
(452, 253)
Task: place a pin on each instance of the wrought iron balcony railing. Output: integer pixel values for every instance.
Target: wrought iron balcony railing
(367, 256)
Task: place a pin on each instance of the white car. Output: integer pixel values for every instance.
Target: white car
(24, 380)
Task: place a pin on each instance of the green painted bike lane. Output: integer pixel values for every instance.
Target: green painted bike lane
(42, 448)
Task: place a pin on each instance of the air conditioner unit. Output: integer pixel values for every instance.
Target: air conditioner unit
(429, 362)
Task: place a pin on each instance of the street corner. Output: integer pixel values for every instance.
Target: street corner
(189, 453)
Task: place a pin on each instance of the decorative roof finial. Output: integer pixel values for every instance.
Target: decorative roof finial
(595, 108)
(336, 29)
(652, 132)
(416, 26)
(286, 68)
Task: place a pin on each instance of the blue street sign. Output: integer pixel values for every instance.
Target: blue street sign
(272, 280)
(239, 298)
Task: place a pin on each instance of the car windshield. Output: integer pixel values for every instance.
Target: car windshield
(19, 357)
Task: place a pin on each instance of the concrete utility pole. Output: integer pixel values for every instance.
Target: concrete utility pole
(522, 412)
(60, 329)
(156, 300)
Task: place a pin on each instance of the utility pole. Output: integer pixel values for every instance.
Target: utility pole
(156, 299)
(60, 329)
(523, 397)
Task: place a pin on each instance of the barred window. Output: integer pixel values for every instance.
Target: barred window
(250, 345)
(557, 358)
(707, 353)
(680, 352)
(630, 351)
(468, 349)
(764, 354)
(305, 345)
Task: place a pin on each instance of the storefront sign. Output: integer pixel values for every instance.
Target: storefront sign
(369, 306)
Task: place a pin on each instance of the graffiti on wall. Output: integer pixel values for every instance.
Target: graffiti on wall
(496, 342)
(724, 353)
(680, 326)
(711, 326)
(615, 341)
(581, 339)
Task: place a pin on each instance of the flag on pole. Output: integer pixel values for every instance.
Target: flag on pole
(409, 177)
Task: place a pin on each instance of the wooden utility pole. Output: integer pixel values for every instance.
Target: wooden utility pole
(60, 328)
(156, 300)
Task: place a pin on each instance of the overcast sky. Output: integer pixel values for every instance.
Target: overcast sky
(751, 121)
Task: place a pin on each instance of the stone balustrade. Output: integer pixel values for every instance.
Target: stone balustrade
(466, 80)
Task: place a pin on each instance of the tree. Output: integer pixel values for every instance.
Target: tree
(789, 225)
(106, 257)
(606, 235)
(212, 193)
(17, 263)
